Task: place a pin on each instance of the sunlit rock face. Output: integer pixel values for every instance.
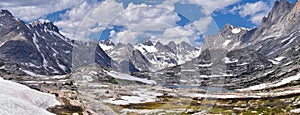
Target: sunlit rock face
(239, 57)
(39, 49)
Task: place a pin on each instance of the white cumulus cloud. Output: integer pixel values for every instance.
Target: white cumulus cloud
(256, 11)
(89, 18)
(30, 10)
(212, 5)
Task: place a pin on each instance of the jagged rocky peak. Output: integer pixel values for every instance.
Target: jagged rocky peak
(231, 29)
(163, 48)
(228, 38)
(227, 26)
(172, 45)
(297, 5)
(281, 5)
(44, 25)
(107, 42)
(9, 23)
(36, 23)
(6, 18)
(147, 42)
(280, 21)
(280, 8)
(51, 26)
(39, 49)
(186, 46)
(5, 13)
(295, 13)
(158, 43)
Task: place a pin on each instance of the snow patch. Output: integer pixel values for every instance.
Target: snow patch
(279, 58)
(61, 66)
(290, 41)
(295, 110)
(35, 41)
(228, 60)
(226, 43)
(67, 52)
(32, 74)
(139, 96)
(236, 30)
(144, 48)
(2, 43)
(205, 65)
(119, 75)
(275, 84)
(141, 112)
(17, 99)
(105, 47)
(31, 65)
(288, 63)
(274, 62)
(88, 78)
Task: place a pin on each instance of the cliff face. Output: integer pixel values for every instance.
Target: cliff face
(282, 20)
(39, 49)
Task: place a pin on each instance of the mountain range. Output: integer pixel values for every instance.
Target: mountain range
(239, 57)
(235, 58)
(148, 55)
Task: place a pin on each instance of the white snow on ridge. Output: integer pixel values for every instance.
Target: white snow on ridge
(63, 67)
(274, 62)
(17, 99)
(2, 43)
(31, 65)
(236, 30)
(105, 47)
(279, 58)
(227, 60)
(32, 74)
(35, 41)
(290, 41)
(226, 43)
(144, 48)
(274, 84)
(205, 65)
(123, 76)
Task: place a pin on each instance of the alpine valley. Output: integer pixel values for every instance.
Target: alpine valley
(249, 71)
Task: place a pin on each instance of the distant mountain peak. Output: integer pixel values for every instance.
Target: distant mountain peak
(5, 12)
(7, 16)
(296, 9)
(147, 42)
(280, 8)
(107, 42)
(44, 25)
(227, 26)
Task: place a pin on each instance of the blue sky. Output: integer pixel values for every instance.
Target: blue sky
(235, 19)
(130, 21)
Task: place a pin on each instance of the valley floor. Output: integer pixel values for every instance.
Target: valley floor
(108, 98)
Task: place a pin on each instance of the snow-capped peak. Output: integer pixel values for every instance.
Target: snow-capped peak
(236, 30)
(106, 47)
(106, 44)
(146, 48)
